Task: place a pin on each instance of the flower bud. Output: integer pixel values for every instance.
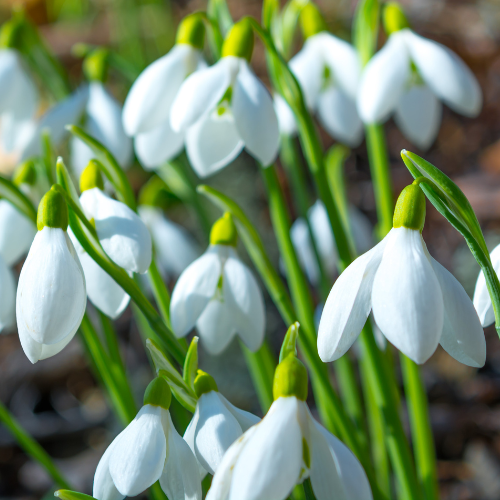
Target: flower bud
(239, 41)
(95, 65)
(52, 211)
(204, 383)
(224, 231)
(191, 31)
(311, 20)
(158, 393)
(290, 379)
(394, 18)
(410, 208)
(10, 32)
(25, 174)
(91, 177)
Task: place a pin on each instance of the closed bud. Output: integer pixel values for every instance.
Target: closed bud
(290, 379)
(204, 383)
(394, 18)
(191, 31)
(158, 393)
(410, 208)
(224, 231)
(91, 177)
(311, 20)
(239, 41)
(52, 211)
(25, 174)
(95, 65)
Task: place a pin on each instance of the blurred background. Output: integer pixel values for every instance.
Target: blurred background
(59, 400)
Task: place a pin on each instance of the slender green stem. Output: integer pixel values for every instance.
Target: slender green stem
(31, 447)
(380, 170)
(160, 292)
(425, 453)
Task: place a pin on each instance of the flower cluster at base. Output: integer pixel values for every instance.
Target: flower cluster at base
(416, 302)
(287, 447)
(219, 295)
(148, 450)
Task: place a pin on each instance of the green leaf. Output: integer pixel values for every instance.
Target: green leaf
(289, 345)
(182, 392)
(365, 29)
(71, 495)
(284, 34)
(14, 195)
(218, 11)
(191, 363)
(109, 166)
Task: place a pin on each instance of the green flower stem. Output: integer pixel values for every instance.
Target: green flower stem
(382, 184)
(160, 292)
(31, 447)
(425, 453)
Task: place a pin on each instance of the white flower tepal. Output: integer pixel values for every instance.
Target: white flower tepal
(482, 299)
(51, 296)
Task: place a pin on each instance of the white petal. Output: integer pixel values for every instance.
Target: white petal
(286, 119)
(463, 336)
(10, 68)
(201, 92)
(418, 115)
(339, 116)
(193, 290)
(16, 233)
(348, 305)
(362, 230)
(180, 479)
(482, 300)
(16, 132)
(149, 101)
(189, 437)
(212, 143)
(7, 296)
(51, 297)
(81, 154)
(383, 80)
(158, 145)
(407, 299)
(335, 471)
(299, 232)
(123, 235)
(446, 74)
(323, 236)
(139, 452)
(104, 488)
(216, 431)
(244, 297)
(269, 465)
(254, 116)
(244, 418)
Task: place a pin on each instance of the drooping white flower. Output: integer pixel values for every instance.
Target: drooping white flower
(409, 77)
(174, 246)
(148, 450)
(416, 302)
(325, 241)
(482, 300)
(216, 424)
(285, 448)
(7, 296)
(226, 108)
(121, 232)
(219, 295)
(146, 112)
(51, 296)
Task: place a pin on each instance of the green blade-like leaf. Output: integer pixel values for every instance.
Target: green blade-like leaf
(14, 195)
(365, 29)
(191, 363)
(109, 166)
(289, 345)
(72, 495)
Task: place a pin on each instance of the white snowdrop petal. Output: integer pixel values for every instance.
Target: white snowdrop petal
(269, 465)
(301, 239)
(213, 143)
(383, 80)
(104, 488)
(446, 74)
(16, 132)
(80, 155)
(217, 325)
(139, 453)
(216, 431)
(362, 229)
(339, 116)
(193, 291)
(307, 66)
(348, 305)
(158, 145)
(482, 300)
(16, 233)
(244, 418)
(463, 336)
(51, 297)
(406, 299)
(418, 115)
(323, 236)
(10, 67)
(7, 296)
(123, 235)
(286, 119)
(254, 116)
(149, 101)
(189, 437)
(180, 479)
(201, 92)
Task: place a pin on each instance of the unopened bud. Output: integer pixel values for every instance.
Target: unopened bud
(91, 177)
(52, 211)
(204, 383)
(394, 18)
(224, 231)
(25, 174)
(191, 31)
(158, 393)
(239, 41)
(290, 379)
(410, 208)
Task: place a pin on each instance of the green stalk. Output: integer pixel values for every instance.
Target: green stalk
(425, 453)
(160, 292)
(381, 176)
(31, 447)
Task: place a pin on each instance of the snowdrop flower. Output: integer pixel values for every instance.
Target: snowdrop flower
(287, 447)
(103, 118)
(215, 425)
(148, 450)
(218, 294)
(325, 241)
(16, 230)
(7, 296)
(482, 300)
(146, 112)
(123, 235)
(416, 302)
(225, 108)
(409, 76)
(51, 297)
(328, 70)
